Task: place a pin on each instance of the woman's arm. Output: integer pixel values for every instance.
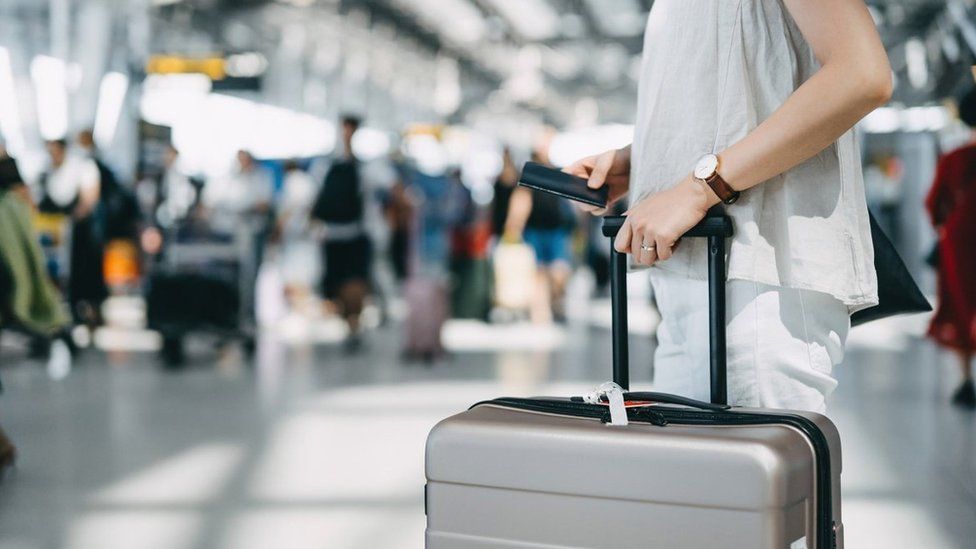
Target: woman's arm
(519, 209)
(854, 79)
(89, 189)
(939, 201)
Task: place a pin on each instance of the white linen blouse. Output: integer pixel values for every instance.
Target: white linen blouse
(712, 71)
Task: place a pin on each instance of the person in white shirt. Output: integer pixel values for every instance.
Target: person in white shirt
(752, 103)
(300, 262)
(72, 186)
(244, 196)
(177, 193)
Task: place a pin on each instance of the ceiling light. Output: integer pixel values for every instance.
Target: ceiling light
(531, 19)
(458, 21)
(50, 85)
(10, 126)
(111, 97)
(915, 58)
(617, 17)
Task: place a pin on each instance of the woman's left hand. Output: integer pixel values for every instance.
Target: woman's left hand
(658, 221)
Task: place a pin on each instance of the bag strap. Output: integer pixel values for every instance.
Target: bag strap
(716, 227)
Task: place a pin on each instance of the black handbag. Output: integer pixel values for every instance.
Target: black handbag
(897, 291)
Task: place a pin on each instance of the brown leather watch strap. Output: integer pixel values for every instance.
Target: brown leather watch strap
(722, 189)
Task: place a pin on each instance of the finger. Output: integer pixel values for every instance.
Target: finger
(622, 242)
(579, 169)
(600, 170)
(664, 248)
(637, 246)
(591, 209)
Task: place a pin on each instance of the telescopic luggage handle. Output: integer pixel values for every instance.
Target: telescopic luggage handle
(716, 228)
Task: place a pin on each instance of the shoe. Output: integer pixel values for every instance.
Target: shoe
(59, 360)
(965, 395)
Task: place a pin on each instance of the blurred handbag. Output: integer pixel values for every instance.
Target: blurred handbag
(514, 275)
(897, 291)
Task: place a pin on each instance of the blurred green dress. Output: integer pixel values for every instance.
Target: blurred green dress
(30, 300)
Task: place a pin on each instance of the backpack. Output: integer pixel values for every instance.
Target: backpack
(340, 200)
(121, 208)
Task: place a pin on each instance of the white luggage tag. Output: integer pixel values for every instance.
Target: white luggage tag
(615, 398)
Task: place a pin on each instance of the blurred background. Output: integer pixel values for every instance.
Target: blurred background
(278, 240)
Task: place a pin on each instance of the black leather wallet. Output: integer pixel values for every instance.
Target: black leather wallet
(551, 180)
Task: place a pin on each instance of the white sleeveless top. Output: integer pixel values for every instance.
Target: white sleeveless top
(712, 71)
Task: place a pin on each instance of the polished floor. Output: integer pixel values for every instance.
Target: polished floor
(306, 447)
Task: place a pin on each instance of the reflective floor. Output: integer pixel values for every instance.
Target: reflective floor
(310, 448)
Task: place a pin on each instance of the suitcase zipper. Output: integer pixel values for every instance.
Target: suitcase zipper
(663, 415)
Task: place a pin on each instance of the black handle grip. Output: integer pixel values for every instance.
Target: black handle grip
(714, 227)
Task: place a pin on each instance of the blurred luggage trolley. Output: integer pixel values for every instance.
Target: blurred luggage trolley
(204, 284)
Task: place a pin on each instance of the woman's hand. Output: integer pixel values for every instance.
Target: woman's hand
(658, 221)
(611, 168)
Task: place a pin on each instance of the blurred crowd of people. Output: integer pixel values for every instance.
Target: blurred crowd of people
(330, 236)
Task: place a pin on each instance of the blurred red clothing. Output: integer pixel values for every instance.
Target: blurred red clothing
(952, 206)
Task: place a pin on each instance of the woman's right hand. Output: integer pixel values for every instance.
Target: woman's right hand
(611, 168)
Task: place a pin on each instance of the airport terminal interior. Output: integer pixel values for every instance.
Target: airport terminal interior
(252, 251)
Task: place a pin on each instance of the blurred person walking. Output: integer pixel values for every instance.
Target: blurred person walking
(72, 186)
(244, 197)
(545, 223)
(504, 186)
(951, 204)
(399, 215)
(347, 250)
(28, 300)
(438, 207)
(175, 192)
(300, 261)
(120, 209)
(755, 112)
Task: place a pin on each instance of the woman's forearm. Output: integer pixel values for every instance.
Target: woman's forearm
(816, 115)
(855, 78)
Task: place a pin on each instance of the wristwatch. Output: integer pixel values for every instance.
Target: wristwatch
(707, 172)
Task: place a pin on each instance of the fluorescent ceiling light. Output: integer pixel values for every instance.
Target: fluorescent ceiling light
(458, 21)
(918, 68)
(531, 19)
(567, 147)
(111, 96)
(50, 85)
(9, 113)
(617, 17)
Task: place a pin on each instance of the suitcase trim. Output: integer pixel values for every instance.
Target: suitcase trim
(826, 528)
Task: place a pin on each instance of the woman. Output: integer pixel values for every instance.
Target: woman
(540, 219)
(952, 206)
(72, 187)
(28, 300)
(751, 103)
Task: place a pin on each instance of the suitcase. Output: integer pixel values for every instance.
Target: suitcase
(660, 471)
(427, 310)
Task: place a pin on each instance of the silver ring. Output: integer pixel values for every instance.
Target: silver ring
(647, 248)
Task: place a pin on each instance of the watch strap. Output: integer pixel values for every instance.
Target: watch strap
(722, 189)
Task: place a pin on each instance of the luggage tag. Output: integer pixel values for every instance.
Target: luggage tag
(615, 399)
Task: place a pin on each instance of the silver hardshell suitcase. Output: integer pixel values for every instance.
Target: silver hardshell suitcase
(548, 472)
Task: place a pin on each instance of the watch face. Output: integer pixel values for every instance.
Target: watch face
(706, 166)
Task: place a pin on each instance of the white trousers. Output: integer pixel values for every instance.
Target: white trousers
(782, 343)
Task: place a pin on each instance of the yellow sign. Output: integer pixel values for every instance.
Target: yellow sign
(214, 67)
